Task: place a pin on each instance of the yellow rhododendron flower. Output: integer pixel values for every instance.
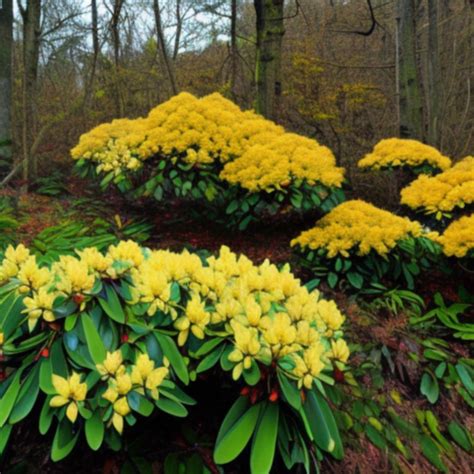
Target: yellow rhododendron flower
(75, 276)
(112, 365)
(395, 152)
(458, 238)
(39, 305)
(443, 192)
(196, 319)
(358, 227)
(31, 276)
(339, 350)
(69, 391)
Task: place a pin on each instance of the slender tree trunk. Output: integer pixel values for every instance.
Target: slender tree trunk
(233, 49)
(162, 47)
(31, 44)
(95, 54)
(270, 31)
(434, 74)
(6, 42)
(179, 27)
(411, 113)
(114, 29)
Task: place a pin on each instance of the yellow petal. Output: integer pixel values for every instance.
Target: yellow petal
(61, 385)
(71, 412)
(58, 401)
(117, 421)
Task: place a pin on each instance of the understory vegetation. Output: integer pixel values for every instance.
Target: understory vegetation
(137, 330)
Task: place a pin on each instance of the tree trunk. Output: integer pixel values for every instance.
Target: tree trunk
(162, 46)
(434, 74)
(270, 31)
(31, 44)
(6, 41)
(96, 49)
(114, 28)
(179, 27)
(233, 50)
(411, 113)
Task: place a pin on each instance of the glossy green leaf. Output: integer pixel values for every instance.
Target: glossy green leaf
(7, 402)
(290, 391)
(112, 306)
(239, 407)
(237, 437)
(94, 429)
(94, 342)
(429, 387)
(172, 407)
(170, 350)
(264, 441)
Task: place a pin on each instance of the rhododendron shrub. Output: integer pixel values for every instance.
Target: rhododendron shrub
(100, 340)
(235, 164)
(393, 153)
(445, 194)
(364, 245)
(458, 238)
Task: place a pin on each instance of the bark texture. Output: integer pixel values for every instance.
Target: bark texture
(270, 31)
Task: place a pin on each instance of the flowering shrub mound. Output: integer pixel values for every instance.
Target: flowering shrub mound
(102, 339)
(364, 244)
(400, 152)
(458, 238)
(210, 151)
(443, 193)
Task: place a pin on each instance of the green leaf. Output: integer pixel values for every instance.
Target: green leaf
(94, 342)
(170, 350)
(355, 279)
(264, 441)
(239, 407)
(232, 207)
(94, 429)
(172, 407)
(46, 377)
(46, 417)
(252, 375)
(140, 404)
(64, 441)
(235, 440)
(112, 306)
(432, 453)
(210, 360)
(207, 347)
(465, 378)
(459, 434)
(375, 437)
(4, 437)
(7, 402)
(26, 397)
(290, 391)
(429, 387)
(332, 279)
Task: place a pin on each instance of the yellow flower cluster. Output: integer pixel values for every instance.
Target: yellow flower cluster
(458, 238)
(70, 392)
(443, 192)
(142, 377)
(397, 152)
(285, 158)
(206, 131)
(263, 310)
(359, 227)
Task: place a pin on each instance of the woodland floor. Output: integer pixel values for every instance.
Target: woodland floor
(369, 328)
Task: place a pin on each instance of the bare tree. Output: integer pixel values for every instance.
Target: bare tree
(162, 46)
(6, 42)
(434, 74)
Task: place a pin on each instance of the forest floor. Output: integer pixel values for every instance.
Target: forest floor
(384, 377)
